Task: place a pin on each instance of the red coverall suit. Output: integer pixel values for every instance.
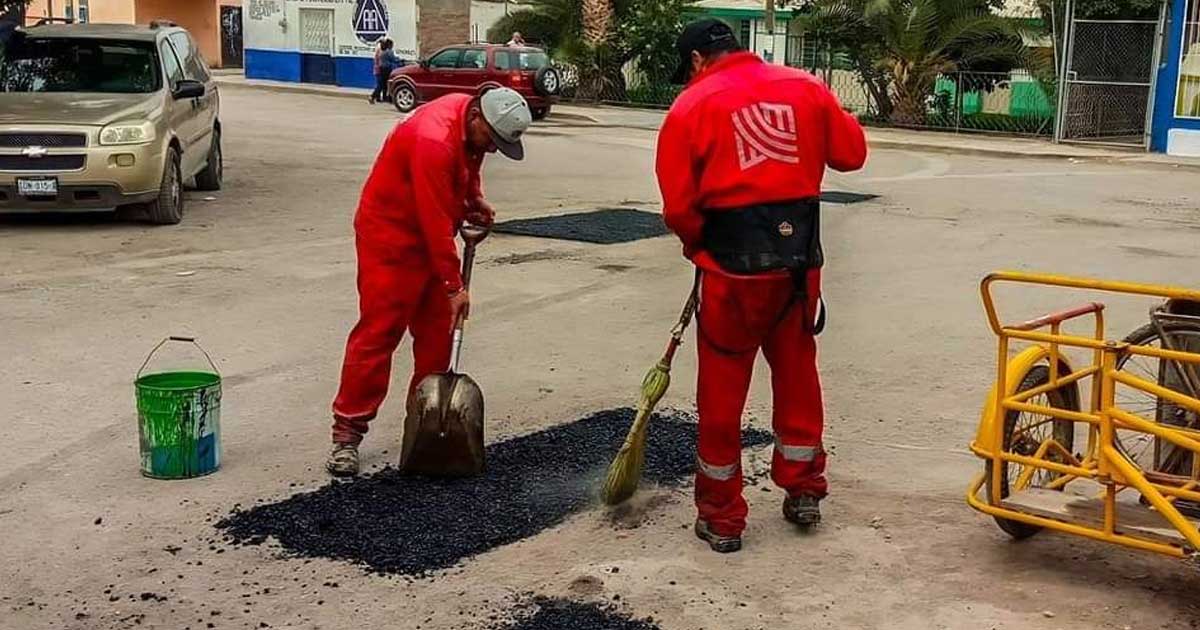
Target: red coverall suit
(412, 205)
(745, 132)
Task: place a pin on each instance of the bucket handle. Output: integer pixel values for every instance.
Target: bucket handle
(191, 340)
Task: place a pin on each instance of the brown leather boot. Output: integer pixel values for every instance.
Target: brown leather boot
(803, 510)
(343, 460)
(717, 542)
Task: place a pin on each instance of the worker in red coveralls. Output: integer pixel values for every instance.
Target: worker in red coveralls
(740, 160)
(424, 184)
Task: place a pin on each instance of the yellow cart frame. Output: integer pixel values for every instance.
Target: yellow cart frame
(1171, 533)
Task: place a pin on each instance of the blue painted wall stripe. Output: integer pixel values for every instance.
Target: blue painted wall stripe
(273, 65)
(284, 65)
(1168, 78)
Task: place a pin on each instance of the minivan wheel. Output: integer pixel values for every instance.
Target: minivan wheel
(210, 178)
(404, 98)
(167, 209)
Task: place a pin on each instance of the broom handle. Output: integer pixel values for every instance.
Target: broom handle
(685, 318)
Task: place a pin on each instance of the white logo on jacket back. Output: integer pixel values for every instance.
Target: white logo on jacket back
(765, 131)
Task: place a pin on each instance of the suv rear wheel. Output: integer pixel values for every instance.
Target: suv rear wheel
(210, 178)
(540, 113)
(547, 82)
(167, 209)
(405, 97)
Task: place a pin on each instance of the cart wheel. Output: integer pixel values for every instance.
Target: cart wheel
(1024, 432)
(1141, 448)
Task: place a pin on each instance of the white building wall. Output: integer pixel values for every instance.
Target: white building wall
(275, 25)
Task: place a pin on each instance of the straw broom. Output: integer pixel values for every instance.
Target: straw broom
(626, 469)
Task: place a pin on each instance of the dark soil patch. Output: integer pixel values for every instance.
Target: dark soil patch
(604, 227)
(563, 614)
(838, 196)
(393, 523)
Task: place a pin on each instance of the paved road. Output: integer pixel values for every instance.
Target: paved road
(263, 274)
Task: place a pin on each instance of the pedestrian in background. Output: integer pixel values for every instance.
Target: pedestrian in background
(516, 39)
(380, 77)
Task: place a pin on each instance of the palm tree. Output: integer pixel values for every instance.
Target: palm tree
(597, 21)
(921, 40)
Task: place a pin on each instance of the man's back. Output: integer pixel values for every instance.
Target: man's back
(747, 132)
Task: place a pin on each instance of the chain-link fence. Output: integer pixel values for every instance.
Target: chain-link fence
(1110, 66)
(1014, 103)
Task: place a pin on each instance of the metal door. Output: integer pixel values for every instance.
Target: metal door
(316, 46)
(1109, 71)
(231, 37)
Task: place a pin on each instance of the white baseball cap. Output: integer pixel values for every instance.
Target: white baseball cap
(507, 116)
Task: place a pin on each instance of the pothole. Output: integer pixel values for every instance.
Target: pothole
(605, 226)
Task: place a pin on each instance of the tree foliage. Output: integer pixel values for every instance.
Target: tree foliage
(901, 47)
(641, 31)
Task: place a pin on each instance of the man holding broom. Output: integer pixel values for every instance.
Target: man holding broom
(424, 184)
(740, 161)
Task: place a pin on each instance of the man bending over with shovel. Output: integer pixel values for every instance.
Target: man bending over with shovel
(424, 184)
(741, 156)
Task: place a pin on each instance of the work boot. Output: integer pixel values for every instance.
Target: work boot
(803, 510)
(717, 542)
(343, 461)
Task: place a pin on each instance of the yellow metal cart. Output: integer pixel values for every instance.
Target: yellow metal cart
(1135, 479)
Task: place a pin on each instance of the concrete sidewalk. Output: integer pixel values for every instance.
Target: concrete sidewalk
(879, 138)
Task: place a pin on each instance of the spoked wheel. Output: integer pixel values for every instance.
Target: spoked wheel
(1024, 434)
(1142, 448)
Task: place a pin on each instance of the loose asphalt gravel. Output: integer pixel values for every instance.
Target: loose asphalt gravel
(398, 524)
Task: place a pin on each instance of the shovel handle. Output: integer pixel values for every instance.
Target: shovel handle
(472, 235)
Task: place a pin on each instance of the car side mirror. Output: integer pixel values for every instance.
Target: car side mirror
(424, 63)
(187, 89)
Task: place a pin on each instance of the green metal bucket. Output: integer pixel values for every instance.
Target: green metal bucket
(179, 418)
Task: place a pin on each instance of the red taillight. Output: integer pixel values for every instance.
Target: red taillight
(517, 77)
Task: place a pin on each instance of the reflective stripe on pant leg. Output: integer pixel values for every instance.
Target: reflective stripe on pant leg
(717, 473)
(798, 465)
(797, 453)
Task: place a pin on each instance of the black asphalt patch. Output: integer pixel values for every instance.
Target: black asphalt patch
(839, 196)
(603, 227)
(396, 524)
(563, 614)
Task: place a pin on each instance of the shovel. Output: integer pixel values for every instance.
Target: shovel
(443, 431)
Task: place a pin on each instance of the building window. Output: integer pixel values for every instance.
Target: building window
(746, 42)
(83, 11)
(1187, 94)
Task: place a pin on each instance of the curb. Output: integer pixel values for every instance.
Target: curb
(981, 151)
(352, 93)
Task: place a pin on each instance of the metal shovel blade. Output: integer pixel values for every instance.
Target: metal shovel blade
(443, 431)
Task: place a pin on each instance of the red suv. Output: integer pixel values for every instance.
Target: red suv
(473, 68)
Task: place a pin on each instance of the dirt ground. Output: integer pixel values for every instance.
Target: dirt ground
(263, 274)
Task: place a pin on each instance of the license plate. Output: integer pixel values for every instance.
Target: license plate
(37, 186)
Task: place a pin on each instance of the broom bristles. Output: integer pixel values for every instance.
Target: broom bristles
(625, 472)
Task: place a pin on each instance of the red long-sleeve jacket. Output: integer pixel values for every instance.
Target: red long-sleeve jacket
(746, 132)
(421, 187)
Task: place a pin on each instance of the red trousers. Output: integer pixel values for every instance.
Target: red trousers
(737, 317)
(397, 293)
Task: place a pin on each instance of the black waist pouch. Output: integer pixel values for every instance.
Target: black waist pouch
(766, 237)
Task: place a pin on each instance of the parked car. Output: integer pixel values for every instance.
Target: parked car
(471, 69)
(98, 117)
